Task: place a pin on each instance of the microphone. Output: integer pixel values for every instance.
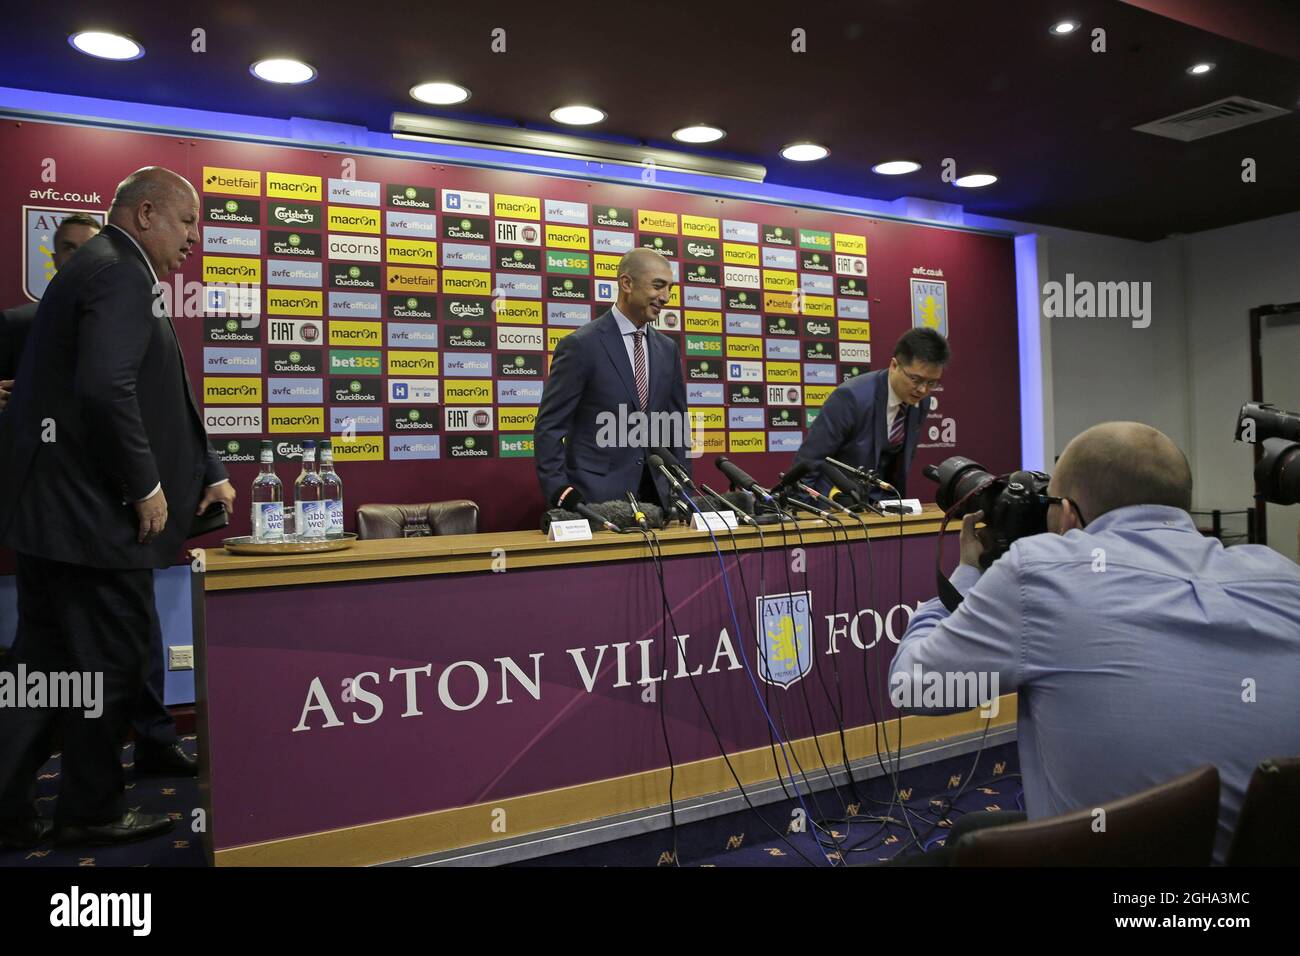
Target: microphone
(741, 480)
(818, 496)
(571, 499)
(654, 461)
(675, 466)
(792, 477)
(813, 509)
(869, 476)
(847, 487)
(637, 514)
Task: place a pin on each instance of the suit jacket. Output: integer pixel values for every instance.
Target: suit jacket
(852, 427)
(101, 413)
(590, 375)
(14, 325)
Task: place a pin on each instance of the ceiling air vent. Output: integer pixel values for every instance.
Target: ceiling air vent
(1217, 117)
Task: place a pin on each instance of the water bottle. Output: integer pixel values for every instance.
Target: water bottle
(268, 499)
(308, 504)
(333, 492)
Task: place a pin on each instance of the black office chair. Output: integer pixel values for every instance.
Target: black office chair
(1172, 824)
(418, 520)
(1268, 830)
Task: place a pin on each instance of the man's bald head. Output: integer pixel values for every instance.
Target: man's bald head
(642, 262)
(155, 184)
(1117, 464)
(645, 283)
(160, 210)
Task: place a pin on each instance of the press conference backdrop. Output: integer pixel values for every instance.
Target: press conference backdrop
(409, 309)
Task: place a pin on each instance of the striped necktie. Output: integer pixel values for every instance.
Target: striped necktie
(639, 367)
(897, 429)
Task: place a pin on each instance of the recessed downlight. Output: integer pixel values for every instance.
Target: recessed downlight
(283, 70)
(106, 46)
(975, 180)
(1065, 27)
(440, 94)
(577, 115)
(896, 167)
(698, 134)
(1200, 69)
(804, 152)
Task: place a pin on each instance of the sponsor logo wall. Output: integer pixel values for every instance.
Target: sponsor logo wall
(409, 268)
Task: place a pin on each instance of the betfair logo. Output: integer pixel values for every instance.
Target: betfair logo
(240, 182)
(650, 221)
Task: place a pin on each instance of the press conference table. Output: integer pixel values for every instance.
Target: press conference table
(412, 696)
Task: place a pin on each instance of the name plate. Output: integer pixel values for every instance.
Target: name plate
(575, 530)
(714, 520)
(908, 506)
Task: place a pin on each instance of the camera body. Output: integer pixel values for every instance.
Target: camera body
(1277, 474)
(1014, 505)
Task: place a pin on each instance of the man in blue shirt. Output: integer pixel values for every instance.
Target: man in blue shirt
(1139, 649)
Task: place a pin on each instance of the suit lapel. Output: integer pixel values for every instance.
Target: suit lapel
(612, 340)
(882, 402)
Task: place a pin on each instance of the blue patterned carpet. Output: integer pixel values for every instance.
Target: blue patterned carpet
(177, 797)
(865, 827)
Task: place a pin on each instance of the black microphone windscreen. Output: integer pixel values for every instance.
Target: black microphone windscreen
(654, 461)
(617, 512)
(574, 497)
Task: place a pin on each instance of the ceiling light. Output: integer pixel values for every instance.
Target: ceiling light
(278, 70)
(804, 152)
(1065, 27)
(975, 180)
(577, 115)
(1200, 69)
(896, 167)
(440, 94)
(107, 46)
(441, 129)
(698, 134)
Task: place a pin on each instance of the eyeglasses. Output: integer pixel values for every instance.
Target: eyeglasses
(1054, 500)
(929, 384)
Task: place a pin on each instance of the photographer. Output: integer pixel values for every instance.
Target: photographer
(1139, 648)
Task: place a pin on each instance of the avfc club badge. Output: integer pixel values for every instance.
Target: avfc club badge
(39, 224)
(785, 637)
(930, 305)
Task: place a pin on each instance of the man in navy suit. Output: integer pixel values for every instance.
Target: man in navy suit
(874, 421)
(606, 378)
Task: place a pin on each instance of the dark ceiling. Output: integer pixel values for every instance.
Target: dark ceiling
(983, 83)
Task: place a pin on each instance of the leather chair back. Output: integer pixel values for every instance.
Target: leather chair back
(1267, 833)
(418, 520)
(1172, 824)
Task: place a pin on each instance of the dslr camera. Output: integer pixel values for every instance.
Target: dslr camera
(1277, 473)
(1014, 505)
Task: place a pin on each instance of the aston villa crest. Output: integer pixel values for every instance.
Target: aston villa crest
(39, 224)
(930, 305)
(784, 637)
